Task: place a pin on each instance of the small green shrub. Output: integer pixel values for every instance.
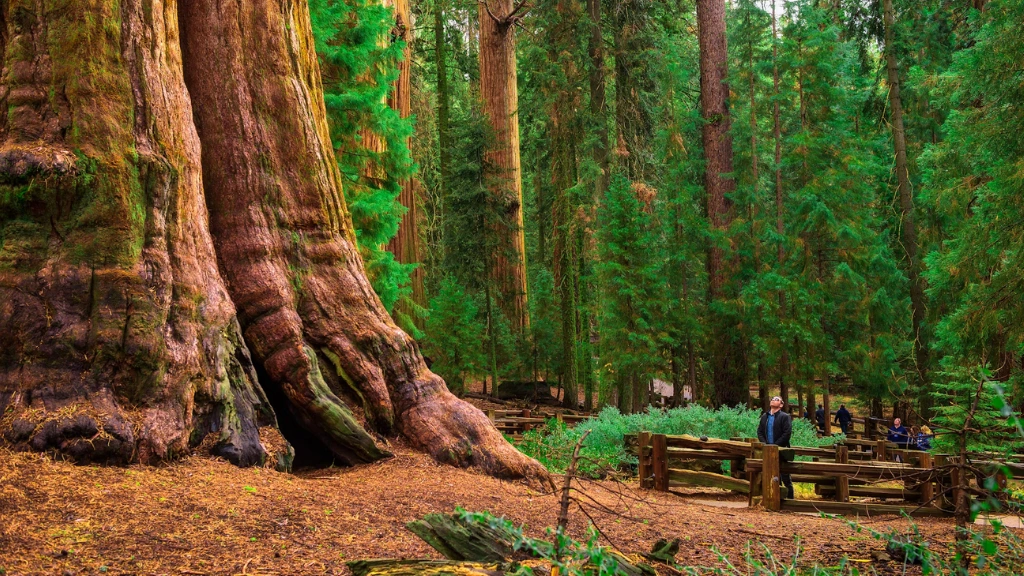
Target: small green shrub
(604, 449)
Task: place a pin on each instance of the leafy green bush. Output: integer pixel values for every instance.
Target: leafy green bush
(604, 449)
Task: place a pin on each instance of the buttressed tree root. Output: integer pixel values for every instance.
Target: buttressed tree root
(170, 202)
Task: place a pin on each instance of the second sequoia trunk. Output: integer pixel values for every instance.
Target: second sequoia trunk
(286, 245)
(498, 88)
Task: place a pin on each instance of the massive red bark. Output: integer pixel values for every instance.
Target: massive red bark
(118, 332)
(117, 338)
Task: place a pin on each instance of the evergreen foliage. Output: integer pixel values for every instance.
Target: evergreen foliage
(616, 230)
(359, 62)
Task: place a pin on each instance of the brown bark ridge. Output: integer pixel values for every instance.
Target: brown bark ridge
(908, 227)
(287, 248)
(406, 244)
(503, 171)
(728, 363)
(118, 341)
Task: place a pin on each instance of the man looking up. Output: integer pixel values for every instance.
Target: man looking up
(776, 427)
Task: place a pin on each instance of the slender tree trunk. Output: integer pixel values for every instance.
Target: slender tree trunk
(565, 257)
(826, 400)
(908, 229)
(441, 61)
(598, 109)
(779, 207)
(406, 244)
(118, 341)
(728, 370)
(691, 370)
(498, 88)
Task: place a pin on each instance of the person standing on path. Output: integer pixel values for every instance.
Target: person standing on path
(819, 416)
(776, 427)
(844, 418)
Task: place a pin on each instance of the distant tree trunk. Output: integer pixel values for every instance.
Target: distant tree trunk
(498, 88)
(599, 123)
(826, 400)
(908, 229)
(128, 322)
(728, 363)
(598, 109)
(441, 61)
(779, 208)
(566, 270)
(406, 244)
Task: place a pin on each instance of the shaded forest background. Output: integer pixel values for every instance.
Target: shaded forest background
(849, 215)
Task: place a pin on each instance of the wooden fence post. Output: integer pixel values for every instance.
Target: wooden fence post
(771, 496)
(643, 441)
(880, 450)
(842, 480)
(754, 477)
(659, 461)
(942, 480)
(526, 425)
(491, 416)
(928, 486)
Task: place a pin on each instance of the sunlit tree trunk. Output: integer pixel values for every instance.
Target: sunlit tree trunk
(503, 172)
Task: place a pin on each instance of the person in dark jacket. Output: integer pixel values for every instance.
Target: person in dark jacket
(898, 433)
(844, 418)
(776, 427)
(819, 416)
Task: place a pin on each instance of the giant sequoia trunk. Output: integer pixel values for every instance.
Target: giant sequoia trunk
(119, 341)
(499, 91)
(728, 362)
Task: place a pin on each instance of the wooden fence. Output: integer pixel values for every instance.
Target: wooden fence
(844, 476)
(515, 422)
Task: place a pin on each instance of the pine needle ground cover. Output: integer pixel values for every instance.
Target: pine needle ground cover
(203, 516)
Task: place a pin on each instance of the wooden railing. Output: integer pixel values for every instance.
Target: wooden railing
(515, 422)
(842, 475)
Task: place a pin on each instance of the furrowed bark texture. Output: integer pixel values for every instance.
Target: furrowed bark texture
(728, 362)
(287, 248)
(498, 88)
(118, 341)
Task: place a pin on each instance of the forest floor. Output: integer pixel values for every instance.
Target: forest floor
(204, 516)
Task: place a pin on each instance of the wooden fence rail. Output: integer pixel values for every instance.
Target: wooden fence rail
(515, 422)
(843, 474)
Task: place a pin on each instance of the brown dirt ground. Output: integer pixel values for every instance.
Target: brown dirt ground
(204, 516)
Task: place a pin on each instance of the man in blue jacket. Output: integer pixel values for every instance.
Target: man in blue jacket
(776, 427)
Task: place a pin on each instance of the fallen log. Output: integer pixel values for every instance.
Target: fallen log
(388, 567)
(458, 540)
